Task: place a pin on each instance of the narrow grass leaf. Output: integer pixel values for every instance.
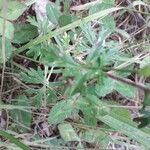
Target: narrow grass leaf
(14, 140)
(127, 129)
(68, 27)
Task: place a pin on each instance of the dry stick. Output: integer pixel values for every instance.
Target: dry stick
(127, 81)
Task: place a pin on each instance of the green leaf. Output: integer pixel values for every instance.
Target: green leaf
(14, 140)
(122, 112)
(88, 110)
(146, 99)
(145, 62)
(15, 9)
(125, 89)
(29, 2)
(145, 67)
(53, 13)
(104, 88)
(127, 71)
(89, 33)
(1, 4)
(9, 29)
(62, 110)
(35, 51)
(64, 20)
(8, 50)
(67, 132)
(145, 71)
(24, 33)
(33, 76)
(110, 2)
(70, 26)
(36, 96)
(50, 54)
(101, 6)
(78, 86)
(67, 4)
(108, 85)
(91, 106)
(21, 116)
(144, 121)
(108, 23)
(126, 128)
(80, 146)
(68, 61)
(97, 136)
(123, 33)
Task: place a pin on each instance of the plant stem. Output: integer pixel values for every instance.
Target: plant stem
(129, 82)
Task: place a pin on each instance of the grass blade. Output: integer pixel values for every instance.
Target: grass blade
(127, 129)
(68, 27)
(14, 140)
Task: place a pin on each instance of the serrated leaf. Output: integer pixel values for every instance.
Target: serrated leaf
(35, 51)
(8, 50)
(64, 20)
(108, 23)
(89, 34)
(122, 112)
(53, 13)
(61, 111)
(67, 132)
(36, 96)
(97, 136)
(109, 85)
(9, 29)
(70, 27)
(91, 106)
(15, 9)
(21, 116)
(33, 76)
(102, 89)
(50, 54)
(24, 33)
(127, 71)
(102, 6)
(125, 89)
(145, 62)
(145, 71)
(79, 85)
(88, 110)
(68, 61)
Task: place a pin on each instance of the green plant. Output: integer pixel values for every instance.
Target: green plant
(14, 140)
(88, 67)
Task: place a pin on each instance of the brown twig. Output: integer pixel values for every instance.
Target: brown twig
(127, 81)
